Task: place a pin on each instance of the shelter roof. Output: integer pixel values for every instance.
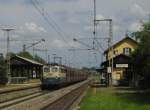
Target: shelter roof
(16, 60)
(120, 59)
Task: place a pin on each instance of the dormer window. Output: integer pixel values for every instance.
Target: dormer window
(127, 51)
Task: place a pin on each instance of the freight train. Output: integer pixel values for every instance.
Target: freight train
(59, 75)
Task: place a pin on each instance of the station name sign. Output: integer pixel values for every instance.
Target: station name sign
(109, 69)
(121, 65)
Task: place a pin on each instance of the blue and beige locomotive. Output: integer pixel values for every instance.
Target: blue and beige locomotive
(59, 75)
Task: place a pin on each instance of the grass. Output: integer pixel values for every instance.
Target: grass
(107, 100)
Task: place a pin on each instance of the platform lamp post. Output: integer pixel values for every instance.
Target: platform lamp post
(7, 30)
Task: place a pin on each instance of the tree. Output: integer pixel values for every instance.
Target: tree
(26, 55)
(2, 60)
(3, 66)
(29, 56)
(12, 54)
(39, 59)
(141, 56)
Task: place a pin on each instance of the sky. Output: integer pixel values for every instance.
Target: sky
(65, 20)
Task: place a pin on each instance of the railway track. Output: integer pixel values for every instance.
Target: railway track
(65, 102)
(60, 99)
(18, 100)
(15, 93)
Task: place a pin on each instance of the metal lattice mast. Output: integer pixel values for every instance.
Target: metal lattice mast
(111, 45)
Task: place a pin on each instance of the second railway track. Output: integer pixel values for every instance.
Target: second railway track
(53, 100)
(15, 93)
(19, 100)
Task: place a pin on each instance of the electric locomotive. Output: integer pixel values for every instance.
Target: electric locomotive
(53, 76)
(59, 75)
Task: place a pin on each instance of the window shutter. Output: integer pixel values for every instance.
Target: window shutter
(124, 51)
(129, 51)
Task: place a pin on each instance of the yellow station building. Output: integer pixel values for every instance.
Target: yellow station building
(122, 63)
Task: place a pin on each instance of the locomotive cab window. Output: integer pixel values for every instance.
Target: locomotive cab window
(62, 70)
(54, 69)
(46, 69)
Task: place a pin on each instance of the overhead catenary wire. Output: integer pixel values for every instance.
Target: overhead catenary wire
(95, 37)
(56, 27)
(54, 24)
(48, 19)
(53, 21)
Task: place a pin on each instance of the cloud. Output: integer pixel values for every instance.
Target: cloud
(116, 28)
(137, 10)
(136, 26)
(73, 21)
(72, 16)
(88, 28)
(74, 44)
(67, 0)
(59, 44)
(30, 29)
(2, 36)
(33, 27)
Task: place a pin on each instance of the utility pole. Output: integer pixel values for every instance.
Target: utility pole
(7, 30)
(54, 57)
(32, 45)
(24, 47)
(48, 59)
(65, 61)
(94, 31)
(59, 59)
(112, 49)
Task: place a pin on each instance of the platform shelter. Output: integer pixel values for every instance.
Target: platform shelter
(24, 67)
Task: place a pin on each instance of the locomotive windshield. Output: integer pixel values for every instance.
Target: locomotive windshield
(62, 70)
(46, 69)
(54, 69)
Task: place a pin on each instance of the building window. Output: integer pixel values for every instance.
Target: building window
(115, 52)
(127, 51)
